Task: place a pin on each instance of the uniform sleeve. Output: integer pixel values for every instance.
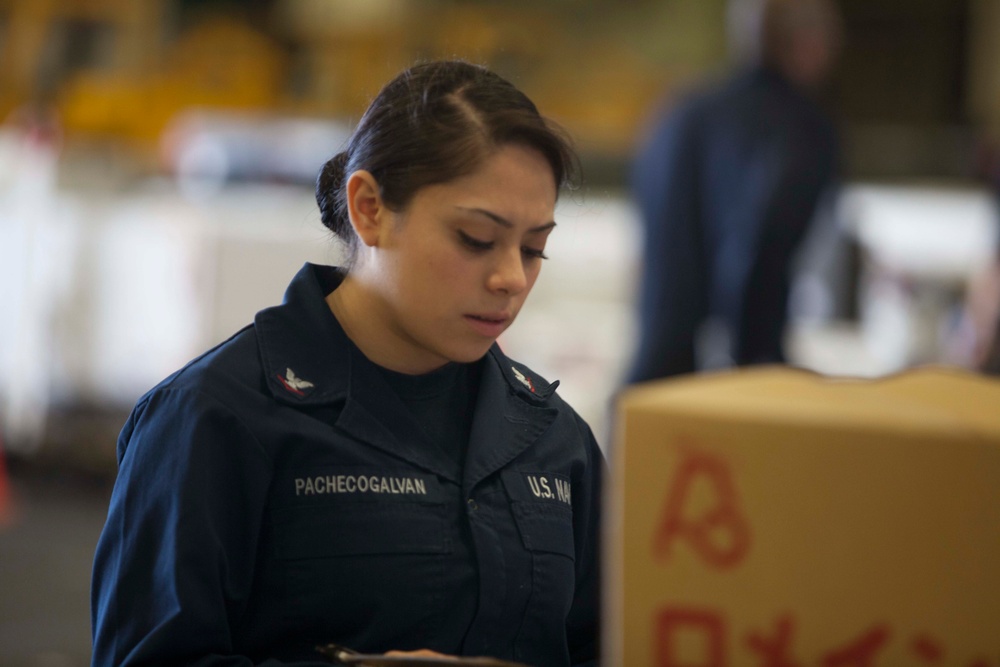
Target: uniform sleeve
(174, 564)
(583, 622)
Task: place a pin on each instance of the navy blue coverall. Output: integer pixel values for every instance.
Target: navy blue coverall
(275, 495)
(727, 185)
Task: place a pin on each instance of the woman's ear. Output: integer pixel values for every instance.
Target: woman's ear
(365, 208)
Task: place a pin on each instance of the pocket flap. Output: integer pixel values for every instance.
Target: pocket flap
(545, 527)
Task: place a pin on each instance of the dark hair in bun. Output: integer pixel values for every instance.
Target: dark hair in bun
(331, 207)
(434, 123)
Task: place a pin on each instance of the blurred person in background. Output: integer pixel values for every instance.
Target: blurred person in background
(727, 184)
(363, 465)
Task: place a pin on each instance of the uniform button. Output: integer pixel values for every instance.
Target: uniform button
(472, 505)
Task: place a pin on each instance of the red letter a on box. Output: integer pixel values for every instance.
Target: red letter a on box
(719, 534)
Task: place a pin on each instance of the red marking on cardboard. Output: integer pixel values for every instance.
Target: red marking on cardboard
(672, 621)
(861, 652)
(720, 536)
(774, 650)
(927, 648)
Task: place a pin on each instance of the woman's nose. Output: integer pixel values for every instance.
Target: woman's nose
(508, 275)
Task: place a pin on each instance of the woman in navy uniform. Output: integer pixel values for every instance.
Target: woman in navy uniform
(363, 465)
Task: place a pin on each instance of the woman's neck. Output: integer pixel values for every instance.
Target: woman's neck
(366, 318)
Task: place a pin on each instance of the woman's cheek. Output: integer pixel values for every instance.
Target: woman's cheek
(533, 272)
(455, 265)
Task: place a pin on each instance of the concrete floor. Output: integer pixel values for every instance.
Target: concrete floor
(46, 550)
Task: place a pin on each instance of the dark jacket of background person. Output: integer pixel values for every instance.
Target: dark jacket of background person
(726, 185)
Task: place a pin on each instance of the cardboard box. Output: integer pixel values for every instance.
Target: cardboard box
(774, 517)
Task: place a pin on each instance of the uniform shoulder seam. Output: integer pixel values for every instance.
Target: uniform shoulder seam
(217, 400)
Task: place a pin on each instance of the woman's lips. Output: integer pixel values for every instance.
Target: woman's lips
(490, 325)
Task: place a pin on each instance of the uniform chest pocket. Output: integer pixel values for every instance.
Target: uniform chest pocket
(542, 509)
(540, 504)
(341, 564)
(361, 528)
(545, 528)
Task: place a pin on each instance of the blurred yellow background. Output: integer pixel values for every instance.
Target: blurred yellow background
(122, 70)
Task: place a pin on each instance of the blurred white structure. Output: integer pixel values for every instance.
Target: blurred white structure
(922, 247)
(105, 295)
(209, 149)
(37, 243)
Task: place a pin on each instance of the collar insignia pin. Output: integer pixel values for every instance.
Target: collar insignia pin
(294, 384)
(523, 379)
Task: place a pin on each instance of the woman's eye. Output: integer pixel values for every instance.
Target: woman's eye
(533, 253)
(474, 243)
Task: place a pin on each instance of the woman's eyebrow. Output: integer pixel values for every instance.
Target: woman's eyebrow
(503, 222)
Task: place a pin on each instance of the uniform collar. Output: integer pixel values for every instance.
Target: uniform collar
(304, 351)
(512, 412)
(309, 361)
(522, 380)
(307, 356)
